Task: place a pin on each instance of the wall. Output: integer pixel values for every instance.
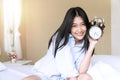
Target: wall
(115, 28)
(43, 17)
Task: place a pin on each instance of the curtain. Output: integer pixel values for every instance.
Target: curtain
(12, 18)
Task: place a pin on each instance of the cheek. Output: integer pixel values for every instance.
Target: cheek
(73, 30)
(84, 31)
(84, 28)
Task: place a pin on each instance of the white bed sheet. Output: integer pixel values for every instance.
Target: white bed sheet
(26, 69)
(15, 72)
(113, 61)
(100, 62)
(10, 74)
(105, 67)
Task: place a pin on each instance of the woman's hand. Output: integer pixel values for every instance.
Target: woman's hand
(92, 42)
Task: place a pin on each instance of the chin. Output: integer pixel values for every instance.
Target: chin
(80, 38)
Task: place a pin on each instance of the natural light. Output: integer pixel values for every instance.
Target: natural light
(12, 18)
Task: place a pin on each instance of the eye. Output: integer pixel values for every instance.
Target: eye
(83, 24)
(74, 25)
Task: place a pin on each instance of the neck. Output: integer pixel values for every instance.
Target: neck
(78, 42)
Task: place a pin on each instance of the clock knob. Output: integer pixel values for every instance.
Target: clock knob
(98, 22)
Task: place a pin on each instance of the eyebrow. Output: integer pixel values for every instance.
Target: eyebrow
(81, 22)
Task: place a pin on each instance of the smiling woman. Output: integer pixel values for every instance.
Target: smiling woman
(12, 17)
(40, 18)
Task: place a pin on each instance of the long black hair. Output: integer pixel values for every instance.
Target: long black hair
(65, 29)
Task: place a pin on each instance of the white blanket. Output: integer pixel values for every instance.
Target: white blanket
(103, 71)
(12, 74)
(2, 67)
(100, 70)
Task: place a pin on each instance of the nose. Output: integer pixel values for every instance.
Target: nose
(79, 29)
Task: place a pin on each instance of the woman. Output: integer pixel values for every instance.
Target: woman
(69, 51)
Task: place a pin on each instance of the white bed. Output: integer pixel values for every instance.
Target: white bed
(14, 72)
(105, 67)
(113, 61)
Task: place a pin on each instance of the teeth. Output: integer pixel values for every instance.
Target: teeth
(81, 33)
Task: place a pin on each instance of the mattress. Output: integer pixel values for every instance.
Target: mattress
(104, 67)
(14, 72)
(113, 61)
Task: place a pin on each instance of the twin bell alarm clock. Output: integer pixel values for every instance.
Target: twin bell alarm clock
(96, 29)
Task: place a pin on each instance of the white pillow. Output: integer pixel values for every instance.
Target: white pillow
(103, 71)
(2, 67)
(113, 61)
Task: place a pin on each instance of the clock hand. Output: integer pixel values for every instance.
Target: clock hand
(95, 34)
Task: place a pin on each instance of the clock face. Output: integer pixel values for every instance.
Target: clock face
(95, 32)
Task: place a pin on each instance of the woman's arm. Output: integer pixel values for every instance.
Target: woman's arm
(32, 77)
(73, 78)
(81, 77)
(86, 61)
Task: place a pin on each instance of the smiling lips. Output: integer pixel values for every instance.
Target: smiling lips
(81, 33)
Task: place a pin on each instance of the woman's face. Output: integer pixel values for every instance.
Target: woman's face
(78, 29)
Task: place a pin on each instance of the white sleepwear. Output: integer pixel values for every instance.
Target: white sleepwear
(64, 65)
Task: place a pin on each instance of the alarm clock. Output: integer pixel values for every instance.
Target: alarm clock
(96, 29)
